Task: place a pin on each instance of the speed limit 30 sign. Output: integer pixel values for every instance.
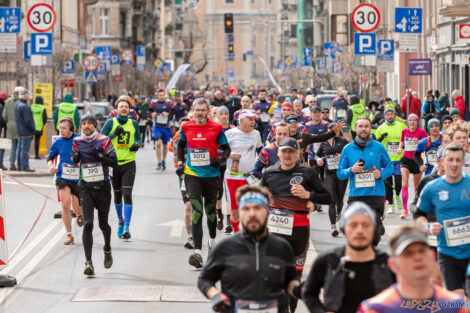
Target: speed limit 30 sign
(91, 62)
(41, 17)
(365, 17)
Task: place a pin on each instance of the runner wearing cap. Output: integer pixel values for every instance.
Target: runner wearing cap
(316, 126)
(255, 268)
(161, 110)
(351, 273)
(245, 143)
(325, 115)
(449, 197)
(262, 107)
(429, 146)
(410, 138)
(340, 109)
(455, 115)
(292, 185)
(412, 263)
(446, 121)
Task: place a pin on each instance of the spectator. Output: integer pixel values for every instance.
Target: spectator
(3, 126)
(26, 130)
(40, 119)
(429, 109)
(444, 104)
(415, 104)
(9, 118)
(67, 108)
(455, 114)
(459, 103)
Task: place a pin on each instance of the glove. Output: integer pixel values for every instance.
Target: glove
(76, 157)
(134, 147)
(215, 162)
(220, 303)
(119, 130)
(180, 169)
(96, 153)
(297, 290)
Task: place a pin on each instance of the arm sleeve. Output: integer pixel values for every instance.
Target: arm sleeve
(137, 138)
(424, 107)
(109, 155)
(76, 118)
(417, 158)
(425, 202)
(349, 116)
(311, 138)
(106, 130)
(181, 147)
(413, 205)
(313, 285)
(319, 195)
(225, 151)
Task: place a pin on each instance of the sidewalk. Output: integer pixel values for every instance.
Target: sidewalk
(39, 165)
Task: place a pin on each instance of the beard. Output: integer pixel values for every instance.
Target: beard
(359, 248)
(200, 120)
(257, 232)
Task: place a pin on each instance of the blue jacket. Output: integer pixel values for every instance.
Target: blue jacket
(374, 154)
(24, 119)
(424, 108)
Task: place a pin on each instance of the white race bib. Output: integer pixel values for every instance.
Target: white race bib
(256, 306)
(281, 221)
(162, 119)
(457, 231)
(252, 180)
(264, 117)
(341, 113)
(70, 171)
(432, 157)
(410, 145)
(316, 146)
(142, 122)
(182, 186)
(466, 167)
(92, 172)
(432, 240)
(331, 163)
(392, 148)
(365, 179)
(199, 157)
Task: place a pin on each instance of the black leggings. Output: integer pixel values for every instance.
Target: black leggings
(376, 203)
(123, 182)
(37, 137)
(337, 188)
(389, 187)
(142, 132)
(99, 198)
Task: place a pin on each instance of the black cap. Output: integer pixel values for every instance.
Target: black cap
(353, 99)
(291, 117)
(315, 108)
(289, 143)
(89, 118)
(240, 92)
(293, 89)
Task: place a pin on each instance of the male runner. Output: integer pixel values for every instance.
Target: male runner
(142, 109)
(161, 112)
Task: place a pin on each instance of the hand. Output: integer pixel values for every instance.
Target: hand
(297, 290)
(338, 155)
(52, 169)
(338, 127)
(357, 168)
(180, 169)
(76, 157)
(96, 153)
(215, 162)
(435, 229)
(376, 173)
(422, 168)
(119, 130)
(134, 147)
(415, 140)
(165, 114)
(399, 151)
(320, 162)
(299, 191)
(220, 303)
(235, 156)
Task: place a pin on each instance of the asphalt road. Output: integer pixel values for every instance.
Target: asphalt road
(50, 275)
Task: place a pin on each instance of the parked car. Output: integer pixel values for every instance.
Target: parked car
(101, 110)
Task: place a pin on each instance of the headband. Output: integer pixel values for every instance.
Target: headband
(253, 197)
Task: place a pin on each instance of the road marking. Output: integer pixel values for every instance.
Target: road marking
(177, 227)
(28, 184)
(32, 264)
(310, 258)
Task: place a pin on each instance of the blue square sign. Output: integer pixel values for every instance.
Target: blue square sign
(385, 50)
(41, 43)
(364, 43)
(409, 20)
(10, 20)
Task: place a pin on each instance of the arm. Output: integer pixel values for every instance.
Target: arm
(29, 120)
(311, 138)
(56, 116)
(109, 154)
(349, 116)
(344, 167)
(319, 194)
(137, 138)
(313, 285)
(210, 274)
(106, 130)
(181, 147)
(386, 165)
(424, 107)
(417, 157)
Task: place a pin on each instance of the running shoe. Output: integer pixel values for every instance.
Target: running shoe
(228, 229)
(89, 269)
(189, 243)
(163, 166)
(334, 231)
(391, 208)
(404, 214)
(108, 259)
(220, 222)
(210, 247)
(126, 234)
(120, 228)
(159, 167)
(338, 216)
(318, 208)
(195, 260)
(80, 220)
(398, 200)
(69, 240)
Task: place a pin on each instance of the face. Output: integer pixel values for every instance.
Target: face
(363, 129)
(213, 113)
(359, 232)
(64, 129)
(293, 94)
(461, 138)
(434, 130)
(288, 157)
(286, 111)
(455, 118)
(200, 113)
(87, 128)
(178, 98)
(316, 115)
(312, 102)
(446, 124)
(254, 218)
(219, 95)
(247, 124)
(223, 117)
(414, 264)
(453, 163)
(298, 107)
(123, 109)
(245, 103)
(262, 95)
(325, 115)
(390, 117)
(293, 125)
(161, 96)
(412, 123)
(281, 133)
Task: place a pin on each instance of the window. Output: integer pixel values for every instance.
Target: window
(104, 17)
(293, 30)
(122, 22)
(340, 29)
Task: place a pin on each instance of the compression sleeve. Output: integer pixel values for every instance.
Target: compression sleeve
(225, 151)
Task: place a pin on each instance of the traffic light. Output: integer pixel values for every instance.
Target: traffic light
(228, 22)
(230, 49)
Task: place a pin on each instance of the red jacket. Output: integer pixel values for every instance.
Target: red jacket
(460, 105)
(415, 105)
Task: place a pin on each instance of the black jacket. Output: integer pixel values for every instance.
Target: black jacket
(327, 274)
(326, 149)
(250, 270)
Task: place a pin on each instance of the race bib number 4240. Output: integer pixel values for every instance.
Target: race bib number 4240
(281, 221)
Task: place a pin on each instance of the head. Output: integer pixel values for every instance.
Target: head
(358, 225)
(213, 114)
(293, 93)
(24, 94)
(88, 124)
(178, 98)
(183, 120)
(222, 115)
(38, 100)
(17, 90)
(363, 127)
(286, 109)
(458, 133)
(446, 121)
(298, 106)
(288, 152)
(413, 122)
(389, 115)
(219, 95)
(430, 98)
(456, 93)
(161, 95)
(373, 105)
(247, 120)
(411, 257)
(325, 114)
(245, 102)
(201, 109)
(66, 127)
(123, 106)
(253, 203)
(315, 113)
(434, 127)
(311, 101)
(262, 95)
(281, 132)
(455, 114)
(454, 160)
(293, 122)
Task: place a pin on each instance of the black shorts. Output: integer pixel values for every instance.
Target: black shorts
(453, 271)
(409, 164)
(207, 187)
(62, 183)
(299, 241)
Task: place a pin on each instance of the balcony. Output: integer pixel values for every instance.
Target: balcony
(455, 8)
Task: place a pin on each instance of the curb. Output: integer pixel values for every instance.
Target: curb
(27, 174)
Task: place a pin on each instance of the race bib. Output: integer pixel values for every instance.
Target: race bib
(341, 113)
(281, 221)
(466, 167)
(177, 124)
(256, 306)
(199, 157)
(316, 146)
(92, 172)
(392, 148)
(264, 117)
(331, 163)
(365, 179)
(70, 172)
(277, 115)
(432, 157)
(457, 231)
(162, 119)
(252, 180)
(410, 145)
(142, 122)
(182, 186)
(432, 240)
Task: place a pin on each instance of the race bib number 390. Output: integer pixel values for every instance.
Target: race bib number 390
(457, 231)
(92, 172)
(199, 157)
(365, 179)
(281, 221)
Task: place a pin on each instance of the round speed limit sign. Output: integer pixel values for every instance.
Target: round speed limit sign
(127, 55)
(41, 17)
(91, 63)
(365, 17)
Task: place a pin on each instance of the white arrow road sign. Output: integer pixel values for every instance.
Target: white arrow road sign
(176, 227)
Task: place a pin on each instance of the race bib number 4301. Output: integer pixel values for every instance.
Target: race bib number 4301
(365, 179)
(199, 157)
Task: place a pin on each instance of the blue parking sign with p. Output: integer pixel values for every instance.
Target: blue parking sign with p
(386, 50)
(41, 43)
(364, 43)
(68, 67)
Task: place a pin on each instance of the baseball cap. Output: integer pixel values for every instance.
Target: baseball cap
(406, 239)
(289, 143)
(287, 104)
(291, 117)
(246, 113)
(23, 92)
(315, 108)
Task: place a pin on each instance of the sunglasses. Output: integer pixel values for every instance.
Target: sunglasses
(292, 121)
